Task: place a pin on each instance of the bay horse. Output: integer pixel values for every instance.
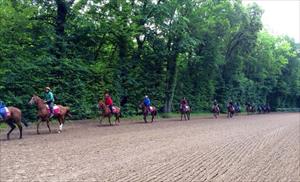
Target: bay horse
(230, 111)
(107, 113)
(153, 112)
(44, 113)
(185, 111)
(250, 109)
(216, 111)
(13, 119)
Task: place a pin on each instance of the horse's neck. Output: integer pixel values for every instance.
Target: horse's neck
(106, 109)
(40, 104)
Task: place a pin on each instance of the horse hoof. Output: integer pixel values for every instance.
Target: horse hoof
(59, 131)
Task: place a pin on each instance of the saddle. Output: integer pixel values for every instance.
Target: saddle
(4, 112)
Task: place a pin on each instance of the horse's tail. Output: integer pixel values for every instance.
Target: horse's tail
(68, 113)
(24, 122)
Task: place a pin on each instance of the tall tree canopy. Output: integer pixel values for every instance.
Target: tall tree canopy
(204, 50)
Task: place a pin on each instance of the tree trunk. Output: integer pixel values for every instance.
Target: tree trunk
(171, 82)
(62, 11)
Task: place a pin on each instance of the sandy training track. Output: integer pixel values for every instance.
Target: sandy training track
(245, 148)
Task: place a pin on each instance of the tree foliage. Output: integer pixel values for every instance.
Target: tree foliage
(204, 50)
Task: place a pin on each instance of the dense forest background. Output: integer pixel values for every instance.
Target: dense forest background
(167, 49)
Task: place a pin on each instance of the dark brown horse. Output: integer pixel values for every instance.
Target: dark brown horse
(44, 114)
(230, 111)
(250, 109)
(13, 119)
(216, 110)
(146, 111)
(107, 113)
(185, 111)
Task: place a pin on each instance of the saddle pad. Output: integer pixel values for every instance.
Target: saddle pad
(56, 109)
(151, 108)
(115, 109)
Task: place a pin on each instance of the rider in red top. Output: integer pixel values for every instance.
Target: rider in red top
(109, 102)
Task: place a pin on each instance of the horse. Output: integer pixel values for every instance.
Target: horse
(14, 118)
(230, 111)
(216, 110)
(185, 111)
(44, 113)
(250, 109)
(145, 110)
(107, 113)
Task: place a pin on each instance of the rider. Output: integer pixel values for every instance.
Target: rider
(230, 104)
(215, 104)
(183, 103)
(237, 107)
(2, 105)
(109, 102)
(147, 102)
(49, 100)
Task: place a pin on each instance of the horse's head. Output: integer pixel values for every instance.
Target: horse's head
(34, 99)
(101, 105)
(141, 105)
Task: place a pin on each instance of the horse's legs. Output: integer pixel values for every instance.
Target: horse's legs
(109, 120)
(152, 117)
(48, 125)
(117, 118)
(181, 116)
(37, 126)
(100, 120)
(12, 126)
(188, 115)
(20, 128)
(60, 120)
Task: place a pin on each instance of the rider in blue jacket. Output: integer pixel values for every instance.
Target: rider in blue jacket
(2, 105)
(147, 102)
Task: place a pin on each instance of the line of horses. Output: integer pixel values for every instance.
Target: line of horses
(43, 114)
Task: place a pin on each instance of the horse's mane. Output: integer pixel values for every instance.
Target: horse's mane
(38, 99)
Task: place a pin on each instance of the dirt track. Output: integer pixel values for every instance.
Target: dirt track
(245, 148)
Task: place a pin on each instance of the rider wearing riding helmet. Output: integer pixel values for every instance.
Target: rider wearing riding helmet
(49, 100)
(109, 102)
(147, 102)
(215, 103)
(230, 103)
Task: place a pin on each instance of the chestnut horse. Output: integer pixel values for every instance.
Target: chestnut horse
(15, 118)
(216, 110)
(145, 111)
(43, 113)
(106, 113)
(185, 111)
